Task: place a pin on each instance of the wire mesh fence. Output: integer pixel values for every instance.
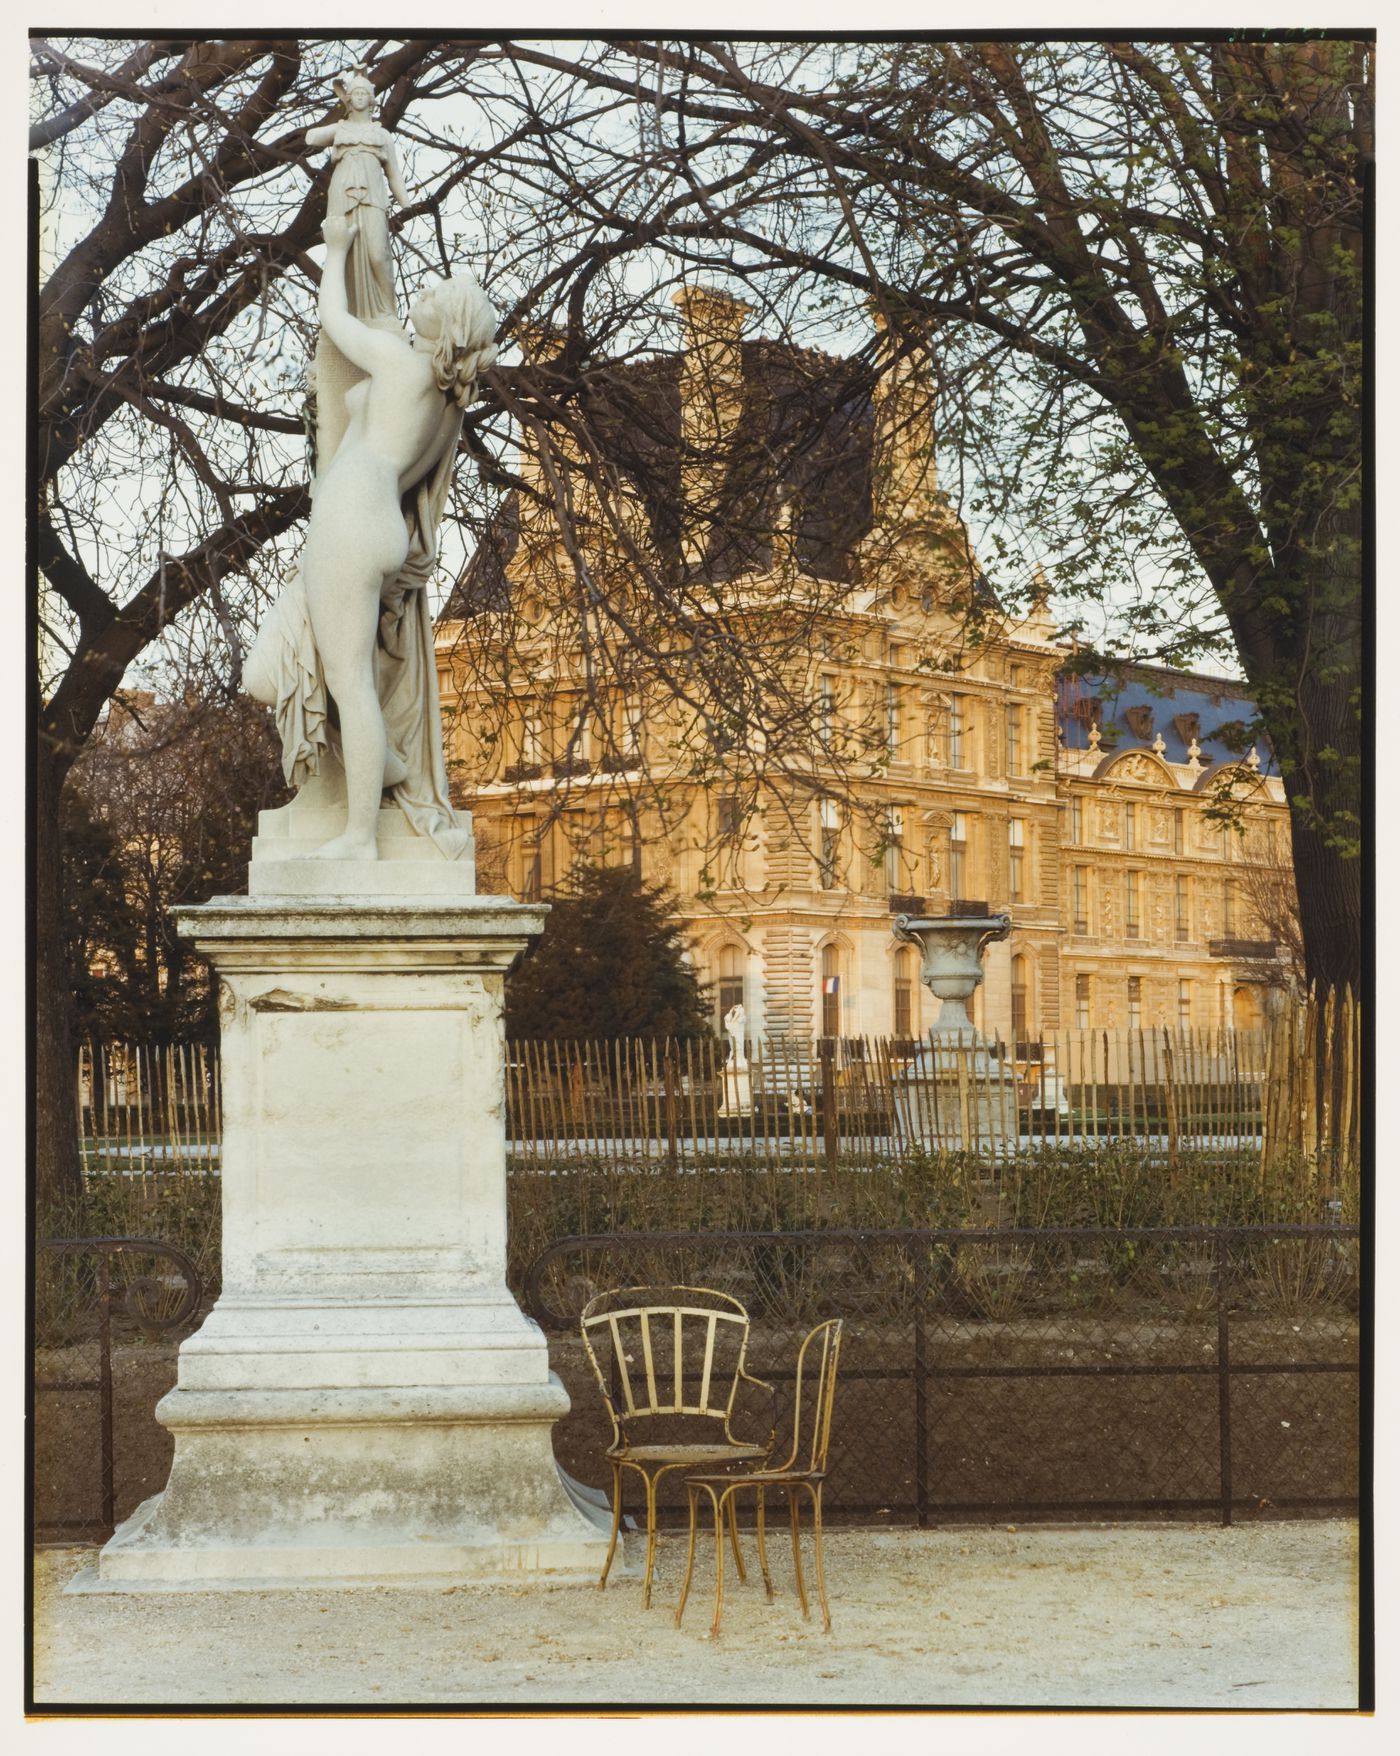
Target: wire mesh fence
(103, 1308)
(1027, 1372)
(991, 1373)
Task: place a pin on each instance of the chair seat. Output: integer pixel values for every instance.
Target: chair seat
(686, 1454)
(765, 1477)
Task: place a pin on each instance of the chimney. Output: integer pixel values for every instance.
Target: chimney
(712, 399)
(906, 472)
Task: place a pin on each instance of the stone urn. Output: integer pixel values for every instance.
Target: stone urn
(958, 1092)
(951, 947)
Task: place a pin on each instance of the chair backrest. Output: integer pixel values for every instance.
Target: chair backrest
(814, 1394)
(668, 1350)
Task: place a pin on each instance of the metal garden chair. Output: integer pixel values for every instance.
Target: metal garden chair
(675, 1358)
(803, 1471)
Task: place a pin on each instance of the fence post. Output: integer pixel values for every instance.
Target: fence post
(826, 1051)
(920, 1267)
(669, 1072)
(104, 1389)
(1222, 1366)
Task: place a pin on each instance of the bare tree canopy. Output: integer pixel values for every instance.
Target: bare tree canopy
(1132, 274)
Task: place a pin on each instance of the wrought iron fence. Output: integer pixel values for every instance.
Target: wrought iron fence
(1033, 1373)
(90, 1290)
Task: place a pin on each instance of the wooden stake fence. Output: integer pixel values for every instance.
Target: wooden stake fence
(1290, 1091)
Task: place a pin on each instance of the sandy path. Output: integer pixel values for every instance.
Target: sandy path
(1261, 1615)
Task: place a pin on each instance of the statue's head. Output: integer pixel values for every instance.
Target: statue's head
(457, 322)
(355, 92)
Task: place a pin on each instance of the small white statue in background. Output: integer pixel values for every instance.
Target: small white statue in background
(735, 1021)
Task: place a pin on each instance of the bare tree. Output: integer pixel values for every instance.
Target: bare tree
(1146, 266)
(1130, 275)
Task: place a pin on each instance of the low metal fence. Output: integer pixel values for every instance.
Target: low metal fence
(104, 1289)
(1027, 1373)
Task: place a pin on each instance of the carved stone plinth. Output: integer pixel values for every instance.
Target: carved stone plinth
(366, 1402)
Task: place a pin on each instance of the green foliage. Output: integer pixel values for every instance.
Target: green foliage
(611, 963)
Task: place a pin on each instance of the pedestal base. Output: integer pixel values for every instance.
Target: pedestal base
(959, 1097)
(366, 1403)
(736, 1093)
(407, 1487)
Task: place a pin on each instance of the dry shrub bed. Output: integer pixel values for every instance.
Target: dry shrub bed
(987, 1442)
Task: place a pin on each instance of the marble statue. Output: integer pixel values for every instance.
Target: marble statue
(366, 170)
(345, 656)
(736, 1091)
(366, 1402)
(735, 1021)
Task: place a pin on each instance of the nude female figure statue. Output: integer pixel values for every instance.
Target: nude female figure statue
(337, 624)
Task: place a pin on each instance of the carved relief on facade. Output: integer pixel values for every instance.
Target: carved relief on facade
(1159, 909)
(1161, 825)
(1106, 821)
(1141, 769)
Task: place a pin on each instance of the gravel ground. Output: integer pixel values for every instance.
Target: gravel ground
(1262, 1615)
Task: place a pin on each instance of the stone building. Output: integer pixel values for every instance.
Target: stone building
(937, 769)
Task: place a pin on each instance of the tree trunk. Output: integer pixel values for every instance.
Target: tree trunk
(56, 1156)
(1329, 905)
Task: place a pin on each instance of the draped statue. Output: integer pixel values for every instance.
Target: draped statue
(345, 656)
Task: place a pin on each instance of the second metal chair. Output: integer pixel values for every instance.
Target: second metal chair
(802, 1472)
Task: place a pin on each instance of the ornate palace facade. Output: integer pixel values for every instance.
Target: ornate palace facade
(937, 769)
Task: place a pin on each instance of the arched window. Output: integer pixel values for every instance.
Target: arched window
(831, 991)
(730, 988)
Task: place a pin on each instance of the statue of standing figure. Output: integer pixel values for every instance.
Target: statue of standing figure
(735, 1024)
(345, 656)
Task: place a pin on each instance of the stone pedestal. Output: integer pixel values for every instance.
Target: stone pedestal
(736, 1092)
(366, 1402)
(958, 1093)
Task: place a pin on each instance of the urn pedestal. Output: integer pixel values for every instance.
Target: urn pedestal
(958, 1093)
(366, 1403)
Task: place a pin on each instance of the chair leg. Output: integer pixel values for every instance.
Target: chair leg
(650, 1481)
(694, 1493)
(734, 1538)
(719, 1561)
(616, 1523)
(797, 1548)
(816, 1493)
(762, 1545)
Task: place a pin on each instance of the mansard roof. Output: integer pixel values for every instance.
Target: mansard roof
(800, 453)
(1138, 703)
